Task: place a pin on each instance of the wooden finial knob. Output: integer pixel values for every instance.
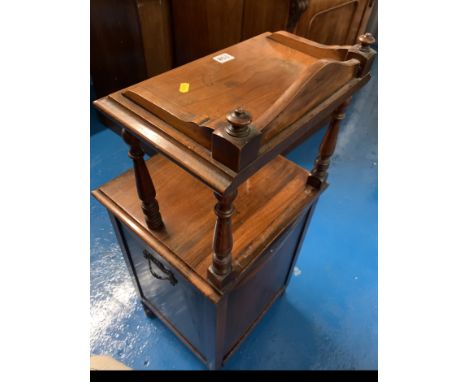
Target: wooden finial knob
(365, 40)
(239, 121)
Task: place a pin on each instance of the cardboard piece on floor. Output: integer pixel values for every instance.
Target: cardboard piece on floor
(105, 362)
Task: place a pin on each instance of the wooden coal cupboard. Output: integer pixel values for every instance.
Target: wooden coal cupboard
(219, 125)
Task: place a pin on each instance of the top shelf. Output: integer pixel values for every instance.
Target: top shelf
(288, 85)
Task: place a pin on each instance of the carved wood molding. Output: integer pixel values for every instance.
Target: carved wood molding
(332, 9)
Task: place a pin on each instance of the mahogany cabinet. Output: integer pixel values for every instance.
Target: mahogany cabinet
(169, 268)
(131, 40)
(333, 21)
(220, 125)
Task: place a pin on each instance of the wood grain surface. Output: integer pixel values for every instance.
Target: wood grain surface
(264, 206)
(334, 21)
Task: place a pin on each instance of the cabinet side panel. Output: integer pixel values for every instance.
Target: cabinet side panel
(190, 313)
(297, 250)
(249, 299)
(117, 225)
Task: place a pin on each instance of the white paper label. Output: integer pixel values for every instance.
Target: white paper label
(223, 57)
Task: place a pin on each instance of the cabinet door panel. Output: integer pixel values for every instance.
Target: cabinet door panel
(178, 302)
(333, 21)
(116, 49)
(154, 18)
(264, 16)
(130, 41)
(201, 27)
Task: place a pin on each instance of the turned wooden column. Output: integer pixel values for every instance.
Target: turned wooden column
(220, 270)
(319, 174)
(144, 184)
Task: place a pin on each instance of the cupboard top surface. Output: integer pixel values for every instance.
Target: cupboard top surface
(265, 205)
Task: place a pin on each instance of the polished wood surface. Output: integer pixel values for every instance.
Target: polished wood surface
(212, 328)
(156, 35)
(306, 75)
(261, 16)
(221, 264)
(144, 184)
(216, 89)
(253, 295)
(198, 161)
(265, 204)
(211, 276)
(319, 173)
(115, 46)
(130, 41)
(202, 27)
(334, 21)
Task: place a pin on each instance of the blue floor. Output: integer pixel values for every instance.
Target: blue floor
(327, 319)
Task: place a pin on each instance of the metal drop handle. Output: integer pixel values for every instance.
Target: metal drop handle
(151, 259)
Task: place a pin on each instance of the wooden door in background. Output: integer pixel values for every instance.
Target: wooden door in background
(130, 41)
(261, 16)
(334, 21)
(202, 27)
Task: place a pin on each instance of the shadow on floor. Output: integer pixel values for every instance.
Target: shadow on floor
(301, 344)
